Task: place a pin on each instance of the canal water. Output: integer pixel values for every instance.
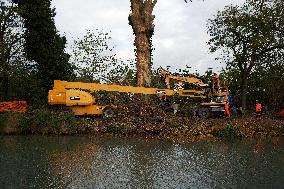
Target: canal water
(83, 162)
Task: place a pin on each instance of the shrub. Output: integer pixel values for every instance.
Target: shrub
(228, 132)
(45, 121)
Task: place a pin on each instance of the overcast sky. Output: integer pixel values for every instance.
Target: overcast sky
(180, 29)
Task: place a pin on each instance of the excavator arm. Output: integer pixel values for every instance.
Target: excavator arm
(77, 95)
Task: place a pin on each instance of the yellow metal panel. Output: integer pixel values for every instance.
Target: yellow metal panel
(62, 85)
(77, 97)
(56, 97)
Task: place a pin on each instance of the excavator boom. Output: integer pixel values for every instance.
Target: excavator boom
(77, 95)
(64, 85)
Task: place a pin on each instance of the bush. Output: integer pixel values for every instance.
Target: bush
(228, 132)
(9, 122)
(121, 128)
(45, 121)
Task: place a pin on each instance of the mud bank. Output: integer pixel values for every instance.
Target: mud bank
(142, 123)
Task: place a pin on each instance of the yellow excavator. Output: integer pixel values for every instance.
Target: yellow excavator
(215, 94)
(77, 95)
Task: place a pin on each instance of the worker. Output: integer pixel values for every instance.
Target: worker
(227, 109)
(258, 109)
(216, 82)
(230, 98)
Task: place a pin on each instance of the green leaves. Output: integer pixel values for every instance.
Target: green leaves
(95, 59)
(11, 41)
(248, 36)
(43, 44)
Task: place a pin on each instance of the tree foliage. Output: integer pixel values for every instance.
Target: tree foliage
(95, 60)
(43, 44)
(11, 42)
(266, 85)
(248, 36)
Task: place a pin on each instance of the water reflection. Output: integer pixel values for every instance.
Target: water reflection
(80, 162)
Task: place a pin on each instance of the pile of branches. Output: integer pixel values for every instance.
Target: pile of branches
(141, 113)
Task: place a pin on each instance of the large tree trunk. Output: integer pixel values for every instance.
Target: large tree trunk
(142, 55)
(141, 20)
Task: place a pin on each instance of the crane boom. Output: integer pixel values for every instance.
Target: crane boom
(64, 85)
(77, 95)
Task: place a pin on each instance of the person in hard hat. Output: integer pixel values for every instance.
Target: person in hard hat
(227, 109)
(258, 109)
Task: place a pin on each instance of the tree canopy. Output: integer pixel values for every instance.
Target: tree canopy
(43, 44)
(11, 42)
(248, 36)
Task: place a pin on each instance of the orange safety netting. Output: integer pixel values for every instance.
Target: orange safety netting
(281, 113)
(16, 106)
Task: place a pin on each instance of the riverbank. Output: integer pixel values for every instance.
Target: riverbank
(145, 122)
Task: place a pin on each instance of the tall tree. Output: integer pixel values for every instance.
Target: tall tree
(43, 44)
(141, 19)
(11, 41)
(248, 36)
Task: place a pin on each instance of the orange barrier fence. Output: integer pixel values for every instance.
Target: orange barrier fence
(16, 106)
(281, 113)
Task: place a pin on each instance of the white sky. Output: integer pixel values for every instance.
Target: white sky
(180, 34)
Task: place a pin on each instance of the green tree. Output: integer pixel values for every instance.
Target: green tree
(248, 36)
(94, 59)
(43, 45)
(267, 85)
(11, 41)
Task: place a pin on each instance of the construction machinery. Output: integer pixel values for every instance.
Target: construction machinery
(77, 95)
(214, 96)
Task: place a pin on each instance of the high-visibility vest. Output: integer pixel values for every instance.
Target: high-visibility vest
(258, 107)
(227, 108)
